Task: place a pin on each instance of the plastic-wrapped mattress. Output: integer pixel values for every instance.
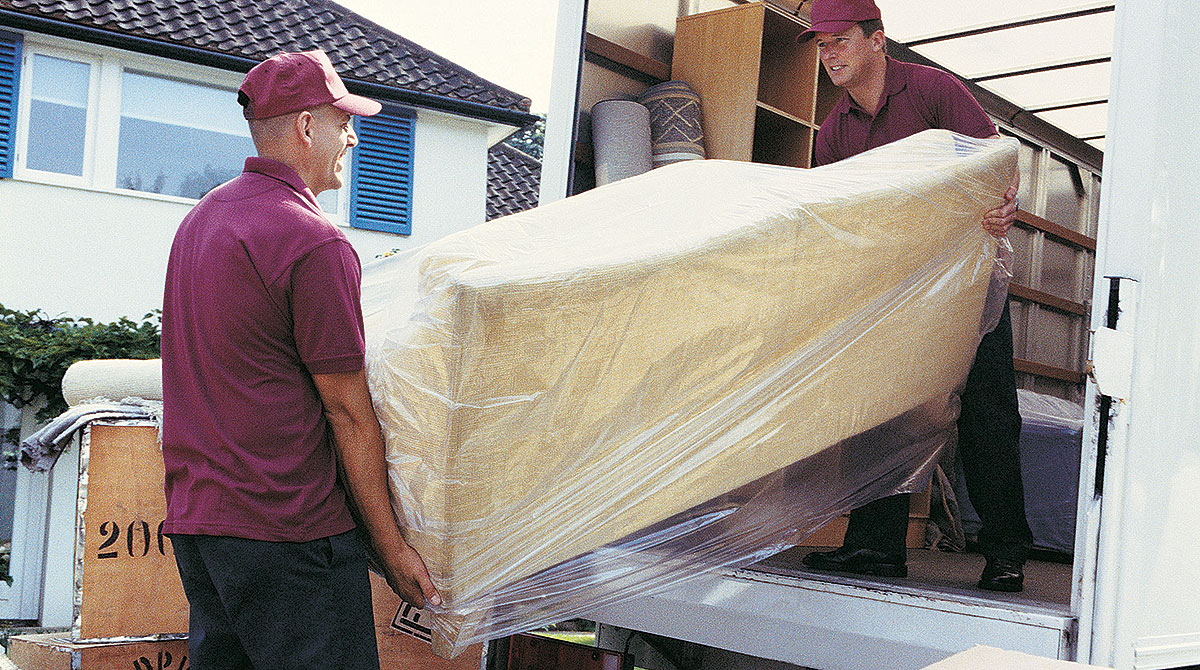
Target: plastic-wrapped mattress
(564, 390)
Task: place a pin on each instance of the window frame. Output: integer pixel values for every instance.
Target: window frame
(112, 132)
(102, 133)
(31, 49)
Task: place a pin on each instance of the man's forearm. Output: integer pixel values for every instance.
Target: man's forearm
(360, 448)
(358, 442)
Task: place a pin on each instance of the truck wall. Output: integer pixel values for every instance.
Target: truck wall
(1053, 272)
(1145, 613)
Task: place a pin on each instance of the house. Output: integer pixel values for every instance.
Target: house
(116, 115)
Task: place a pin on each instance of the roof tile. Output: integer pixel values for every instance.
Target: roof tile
(514, 178)
(257, 29)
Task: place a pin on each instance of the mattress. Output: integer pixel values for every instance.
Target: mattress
(554, 381)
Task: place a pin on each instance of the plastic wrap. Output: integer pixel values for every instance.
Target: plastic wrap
(1046, 411)
(679, 372)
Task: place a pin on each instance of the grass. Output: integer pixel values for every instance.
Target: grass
(578, 637)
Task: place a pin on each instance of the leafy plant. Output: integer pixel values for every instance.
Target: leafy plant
(36, 350)
(5, 562)
(531, 138)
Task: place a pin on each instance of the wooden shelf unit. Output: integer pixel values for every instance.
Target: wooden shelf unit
(780, 139)
(762, 93)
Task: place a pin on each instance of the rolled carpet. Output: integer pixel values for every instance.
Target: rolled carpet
(620, 140)
(115, 379)
(676, 129)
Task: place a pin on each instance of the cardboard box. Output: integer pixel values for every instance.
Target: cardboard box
(57, 651)
(400, 649)
(990, 658)
(52, 651)
(129, 586)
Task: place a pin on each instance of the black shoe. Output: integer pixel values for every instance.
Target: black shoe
(1002, 574)
(858, 562)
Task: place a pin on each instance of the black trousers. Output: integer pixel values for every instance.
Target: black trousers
(258, 605)
(989, 432)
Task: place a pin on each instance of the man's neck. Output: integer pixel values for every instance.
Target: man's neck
(288, 156)
(869, 93)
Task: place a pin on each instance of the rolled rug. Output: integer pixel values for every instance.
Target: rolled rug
(676, 130)
(114, 379)
(620, 140)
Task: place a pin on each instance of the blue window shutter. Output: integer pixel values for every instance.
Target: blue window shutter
(10, 60)
(382, 176)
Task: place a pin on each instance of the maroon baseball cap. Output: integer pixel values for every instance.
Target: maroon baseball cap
(291, 82)
(834, 16)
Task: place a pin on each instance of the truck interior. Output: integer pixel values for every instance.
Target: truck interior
(1040, 68)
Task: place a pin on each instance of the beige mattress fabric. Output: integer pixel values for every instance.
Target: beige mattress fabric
(553, 381)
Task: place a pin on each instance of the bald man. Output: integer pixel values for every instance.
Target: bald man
(270, 439)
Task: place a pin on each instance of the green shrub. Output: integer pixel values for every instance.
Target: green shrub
(35, 352)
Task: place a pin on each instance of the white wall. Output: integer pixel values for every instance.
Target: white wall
(1148, 614)
(449, 184)
(103, 253)
(77, 252)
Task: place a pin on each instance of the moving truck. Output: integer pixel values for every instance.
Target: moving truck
(1105, 314)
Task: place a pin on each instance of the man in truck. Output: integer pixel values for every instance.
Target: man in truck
(886, 100)
(266, 400)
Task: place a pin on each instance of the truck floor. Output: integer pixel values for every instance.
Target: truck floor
(1047, 583)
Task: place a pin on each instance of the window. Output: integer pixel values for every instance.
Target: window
(105, 119)
(177, 137)
(58, 114)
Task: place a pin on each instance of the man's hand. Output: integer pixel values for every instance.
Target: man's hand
(999, 220)
(359, 445)
(405, 572)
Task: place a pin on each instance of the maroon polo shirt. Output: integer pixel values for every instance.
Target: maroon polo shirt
(262, 291)
(915, 98)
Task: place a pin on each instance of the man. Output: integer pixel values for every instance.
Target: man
(266, 400)
(887, 100)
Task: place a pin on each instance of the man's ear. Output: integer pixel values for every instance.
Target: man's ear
(878, 40)
(304, 127)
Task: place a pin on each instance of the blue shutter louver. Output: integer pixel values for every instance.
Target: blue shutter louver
(10, 59)
(381, 190)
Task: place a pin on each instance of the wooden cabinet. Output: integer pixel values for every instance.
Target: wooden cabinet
(762, 94)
